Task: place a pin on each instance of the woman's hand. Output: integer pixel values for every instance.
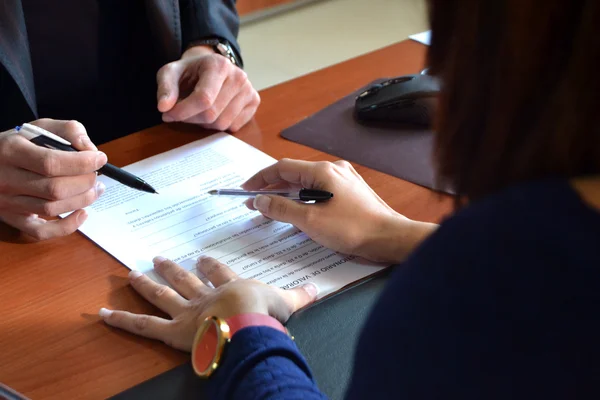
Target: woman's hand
(355, 221)
(191, 301)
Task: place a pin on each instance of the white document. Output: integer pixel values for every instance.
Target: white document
(423, 37)
(183, 222)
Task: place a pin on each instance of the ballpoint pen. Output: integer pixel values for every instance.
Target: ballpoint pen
(302, 194)
(43, 138)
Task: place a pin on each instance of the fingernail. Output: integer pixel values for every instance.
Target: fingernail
(167, 118)
(133, 274)
(86, 143)
(158, 260)
(261, 203)
(100, 188)
(82, 217)
(105, 312)
(311, 289)
(200, 260)
(163, 97)
(101, 159)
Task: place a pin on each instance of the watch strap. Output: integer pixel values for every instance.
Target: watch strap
(241, 321)
(222, 47)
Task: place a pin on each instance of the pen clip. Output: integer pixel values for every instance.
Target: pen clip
(32, 131)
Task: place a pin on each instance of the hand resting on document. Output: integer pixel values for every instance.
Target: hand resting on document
(191, 301)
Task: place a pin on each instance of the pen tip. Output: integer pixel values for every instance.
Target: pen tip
(213, 192)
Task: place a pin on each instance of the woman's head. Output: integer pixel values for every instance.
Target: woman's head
(521, 97)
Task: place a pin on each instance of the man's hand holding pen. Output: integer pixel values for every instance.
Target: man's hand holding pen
(37, 181)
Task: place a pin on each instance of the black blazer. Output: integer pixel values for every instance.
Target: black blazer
(175, 23)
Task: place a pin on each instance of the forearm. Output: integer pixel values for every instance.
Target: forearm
(396, 238)
(262, 363)
(407, 240)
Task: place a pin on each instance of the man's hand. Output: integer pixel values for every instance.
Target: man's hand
(35, 180)
(205, 88)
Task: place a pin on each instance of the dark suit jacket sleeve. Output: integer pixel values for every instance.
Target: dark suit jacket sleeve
(209, 18)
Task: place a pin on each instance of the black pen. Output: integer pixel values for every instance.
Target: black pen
(43, 138)
(302, 194)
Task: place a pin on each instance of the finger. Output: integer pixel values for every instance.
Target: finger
(298, 297)
(243, 118)
(144, 325)
(41, 229)
(231, 114)
(285, 210)
(276, 186)
(297, 172)
(228, 104)
(19, 152)
(161, 296)
(249, 203)
(205, 92)
(246, 113)
(18, 181)
(217, 273)
(167, 79)
(27, 204)
(184, 282)
(222, 115)
(73, 131)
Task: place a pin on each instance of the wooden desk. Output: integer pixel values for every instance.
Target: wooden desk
(53, 345)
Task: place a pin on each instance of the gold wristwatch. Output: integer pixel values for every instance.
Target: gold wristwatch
(215, 333)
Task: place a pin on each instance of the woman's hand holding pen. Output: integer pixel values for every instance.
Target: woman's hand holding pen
(355, 221)
(37, 181)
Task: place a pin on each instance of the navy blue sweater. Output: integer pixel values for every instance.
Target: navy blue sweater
(502, 302)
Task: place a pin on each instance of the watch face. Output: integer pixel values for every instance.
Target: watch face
(208, 345)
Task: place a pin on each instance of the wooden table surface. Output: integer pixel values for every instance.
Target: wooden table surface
(52, 343)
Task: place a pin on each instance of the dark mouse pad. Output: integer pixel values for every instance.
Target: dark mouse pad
(404, 152)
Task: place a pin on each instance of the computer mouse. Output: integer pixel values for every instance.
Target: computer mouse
(410, 99)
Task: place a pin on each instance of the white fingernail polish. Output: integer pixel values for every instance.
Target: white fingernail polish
(158, 260)
(135, 274)
(311, 289)
(262, 202)
(105, 312)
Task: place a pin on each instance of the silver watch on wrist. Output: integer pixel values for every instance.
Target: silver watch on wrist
(221, 47)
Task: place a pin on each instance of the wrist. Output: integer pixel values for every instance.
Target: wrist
(198, 51)
(397, 237)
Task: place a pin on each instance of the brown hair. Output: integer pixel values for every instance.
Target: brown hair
(521, 91)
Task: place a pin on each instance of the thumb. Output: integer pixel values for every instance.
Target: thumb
(281, 209)
(300, 296)
(168, 86)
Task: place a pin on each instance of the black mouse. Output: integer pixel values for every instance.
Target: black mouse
(410, 99)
